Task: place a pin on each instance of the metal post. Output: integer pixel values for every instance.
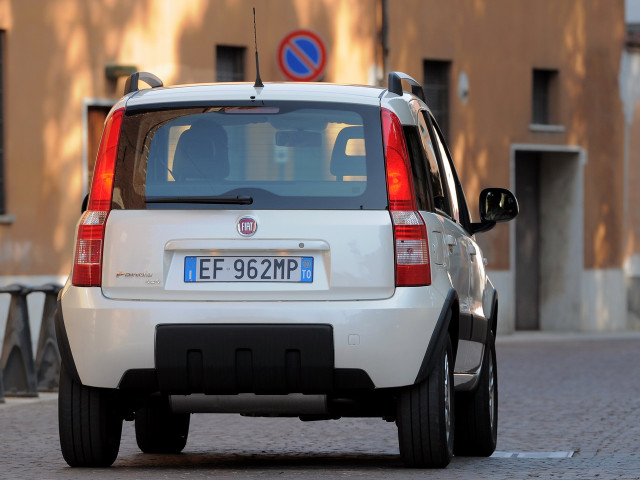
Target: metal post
(17, 353)
(47, 354)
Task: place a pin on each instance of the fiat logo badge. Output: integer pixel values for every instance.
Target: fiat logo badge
(247, 226)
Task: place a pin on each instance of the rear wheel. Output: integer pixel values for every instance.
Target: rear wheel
(89, 423)
(159, 430)
(425, 417)
(477, 411)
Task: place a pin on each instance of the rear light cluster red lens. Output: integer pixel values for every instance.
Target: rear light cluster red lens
(87, 261)
(409, 231)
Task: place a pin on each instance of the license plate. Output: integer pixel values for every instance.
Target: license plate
(248, 269)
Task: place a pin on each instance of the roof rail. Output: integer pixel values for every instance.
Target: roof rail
(395, 84)
(149, 78)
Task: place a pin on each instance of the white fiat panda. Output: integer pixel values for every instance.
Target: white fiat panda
(280, 250)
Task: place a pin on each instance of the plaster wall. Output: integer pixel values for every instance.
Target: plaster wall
(494, 44)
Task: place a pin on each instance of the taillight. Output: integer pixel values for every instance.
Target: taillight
(87, 261)
(409, 231)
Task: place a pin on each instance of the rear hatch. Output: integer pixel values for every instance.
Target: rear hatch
(285, 201)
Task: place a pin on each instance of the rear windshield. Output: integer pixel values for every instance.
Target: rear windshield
(289, 155)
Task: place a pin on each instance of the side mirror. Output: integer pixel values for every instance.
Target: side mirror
(496, 205)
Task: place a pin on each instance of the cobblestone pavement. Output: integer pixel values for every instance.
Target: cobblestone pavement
(558, 393)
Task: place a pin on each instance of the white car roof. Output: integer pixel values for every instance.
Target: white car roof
(216, 92)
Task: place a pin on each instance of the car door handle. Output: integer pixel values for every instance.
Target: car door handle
(451, 240)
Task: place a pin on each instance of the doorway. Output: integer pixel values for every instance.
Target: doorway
(549, 237)
(528, 241)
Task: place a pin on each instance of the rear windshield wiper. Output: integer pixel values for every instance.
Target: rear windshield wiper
(220, 199)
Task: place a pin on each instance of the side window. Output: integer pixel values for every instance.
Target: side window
(450, 180)
(460, 210)
(435, 179)
(418, 168)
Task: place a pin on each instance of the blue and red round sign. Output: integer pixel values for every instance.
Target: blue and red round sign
(302, 56)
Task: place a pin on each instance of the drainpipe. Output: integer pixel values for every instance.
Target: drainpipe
(381, 45)
(385, 39)
(630, 94)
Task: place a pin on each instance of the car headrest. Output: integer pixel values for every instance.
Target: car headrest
(343, 164)
(202, 153)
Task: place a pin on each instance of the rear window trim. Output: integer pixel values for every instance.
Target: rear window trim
(366, 201)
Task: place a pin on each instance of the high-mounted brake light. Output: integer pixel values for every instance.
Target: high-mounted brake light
(87, 261)
(409, 231)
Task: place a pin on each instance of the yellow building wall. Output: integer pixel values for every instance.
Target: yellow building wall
(56, 52)
(55, 57)
(497, 43)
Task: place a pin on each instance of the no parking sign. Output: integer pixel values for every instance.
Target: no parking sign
(302, 56)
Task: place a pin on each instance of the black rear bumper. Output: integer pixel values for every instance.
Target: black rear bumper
(229, 359)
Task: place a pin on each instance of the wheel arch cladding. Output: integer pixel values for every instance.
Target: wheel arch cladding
(63, 342)
(493, 316)
(446, 326)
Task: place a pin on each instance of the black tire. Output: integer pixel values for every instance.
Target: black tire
(477, 411)
(159, 430)
(89, 423)
(425, 417)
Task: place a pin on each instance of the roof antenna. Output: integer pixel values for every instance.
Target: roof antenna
(258, 83)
